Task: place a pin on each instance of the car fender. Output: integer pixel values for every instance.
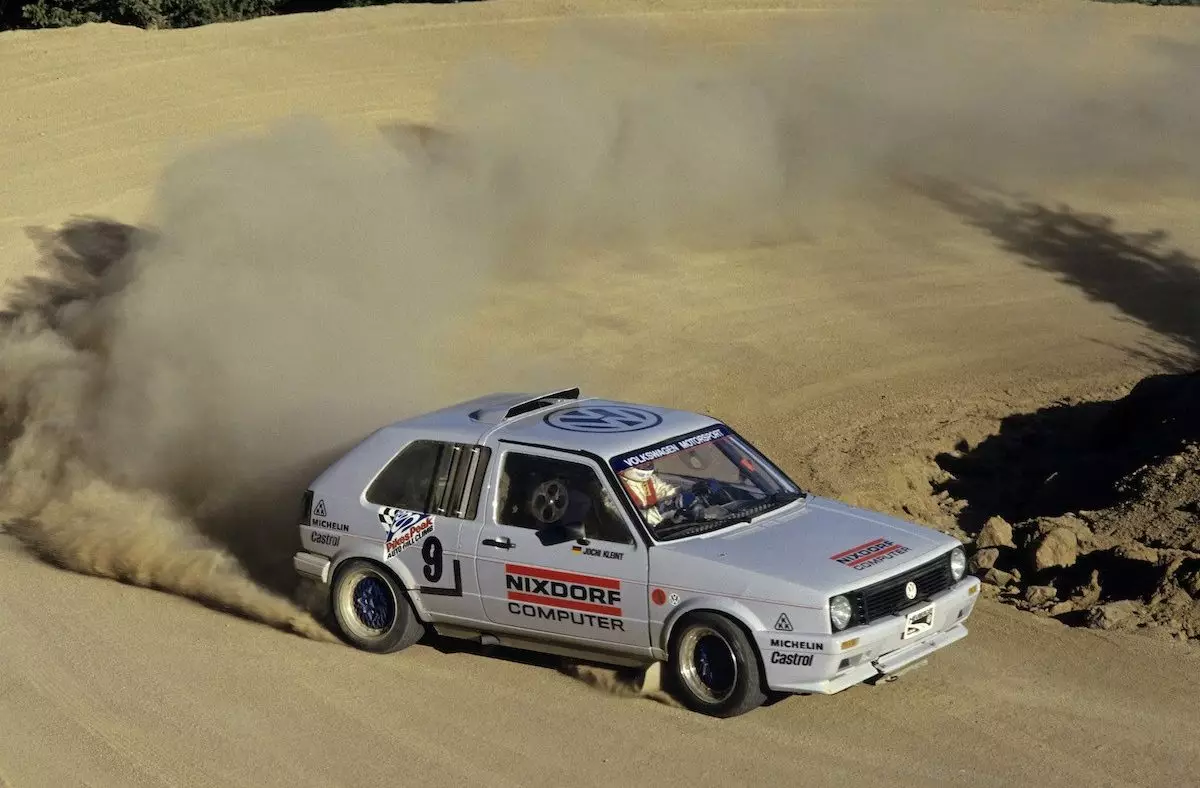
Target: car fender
(377, 556)
(735, 609)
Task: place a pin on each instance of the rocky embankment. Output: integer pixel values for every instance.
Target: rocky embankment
(1091, 512)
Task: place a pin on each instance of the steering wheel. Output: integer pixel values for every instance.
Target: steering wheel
(708, 491)
(685, 511)
(548, 501)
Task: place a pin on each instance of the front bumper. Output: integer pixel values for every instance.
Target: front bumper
(827, 664)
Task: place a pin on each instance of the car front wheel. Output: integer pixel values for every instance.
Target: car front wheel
(372, 609)
(713, 667)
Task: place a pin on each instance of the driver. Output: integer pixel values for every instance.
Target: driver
(648, 490)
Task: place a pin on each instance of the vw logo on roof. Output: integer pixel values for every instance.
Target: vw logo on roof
(910, 590)
(603, 418)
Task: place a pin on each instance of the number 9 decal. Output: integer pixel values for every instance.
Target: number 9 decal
(431, 554)
(431, 551)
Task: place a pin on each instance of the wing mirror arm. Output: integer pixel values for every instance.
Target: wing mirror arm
(576, 532)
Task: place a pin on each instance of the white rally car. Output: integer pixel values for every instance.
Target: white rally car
(625, 534)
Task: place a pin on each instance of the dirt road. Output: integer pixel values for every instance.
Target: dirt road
(852, 351)
(110, 685)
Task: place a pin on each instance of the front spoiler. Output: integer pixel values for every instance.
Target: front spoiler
(897, 660)
(877, 651)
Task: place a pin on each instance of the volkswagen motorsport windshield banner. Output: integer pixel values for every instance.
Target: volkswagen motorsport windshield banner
(648, 453)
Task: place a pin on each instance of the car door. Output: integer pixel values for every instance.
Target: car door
(421, 501)
(536, 573)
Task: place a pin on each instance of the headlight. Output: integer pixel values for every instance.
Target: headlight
(839, 612)
(958, 563)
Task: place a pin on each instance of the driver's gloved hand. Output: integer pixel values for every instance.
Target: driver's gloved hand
(687, 506)
(677, 502)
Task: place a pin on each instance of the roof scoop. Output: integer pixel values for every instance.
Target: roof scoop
(523, 406)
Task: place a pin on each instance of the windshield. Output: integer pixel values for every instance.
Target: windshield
(701, 481)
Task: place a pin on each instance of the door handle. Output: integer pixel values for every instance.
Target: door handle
(503, 541)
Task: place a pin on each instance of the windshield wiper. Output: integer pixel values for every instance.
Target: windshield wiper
(773, 502)
(685, 529)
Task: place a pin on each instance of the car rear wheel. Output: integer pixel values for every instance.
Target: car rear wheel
(372, 609)
(713, 667)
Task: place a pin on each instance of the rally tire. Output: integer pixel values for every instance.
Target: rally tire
(713, 668)
(371, 609)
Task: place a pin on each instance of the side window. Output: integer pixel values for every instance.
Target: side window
(539, 492)
(433, 477)
(407, 481)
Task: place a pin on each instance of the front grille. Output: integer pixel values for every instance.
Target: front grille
(887, 596)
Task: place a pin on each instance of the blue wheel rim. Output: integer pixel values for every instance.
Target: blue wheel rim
(373, 604)
(714, 665)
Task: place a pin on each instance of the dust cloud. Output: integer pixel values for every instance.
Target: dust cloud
(163, 413)
(607, 140)
(632, 683)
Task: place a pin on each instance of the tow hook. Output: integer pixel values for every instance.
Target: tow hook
(888, 678)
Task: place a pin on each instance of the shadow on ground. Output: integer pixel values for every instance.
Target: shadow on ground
(1070, 456)
(1137, 272)
(625, 682)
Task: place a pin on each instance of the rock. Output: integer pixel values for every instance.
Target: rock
(1136, 551)
(984, 559)
(1170, 595)
(1112, 615)
(995, 533)
(989, 592)
(1044, 526)
(1060, 547)
(1069, 521)
(1088, 595)
(1190, 582)
(997, 578)
(1040, 595)
(1062, 607)
(1025, 535)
